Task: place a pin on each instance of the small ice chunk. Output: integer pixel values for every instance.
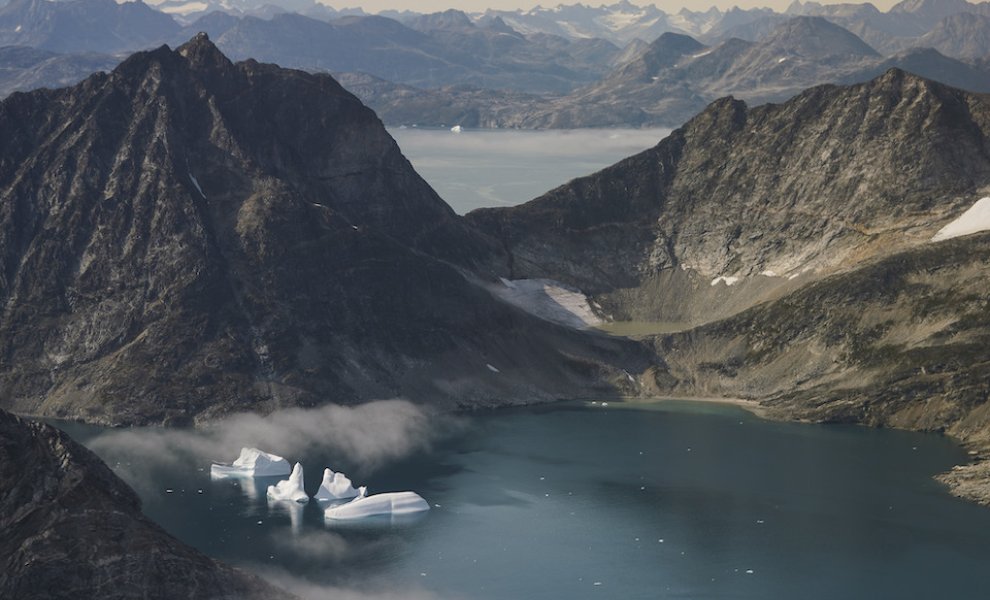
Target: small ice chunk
(337, 486)
(456, 129)
(252, 463)
(291, 488)
(392, 503)
(974, 220)
(492, 368)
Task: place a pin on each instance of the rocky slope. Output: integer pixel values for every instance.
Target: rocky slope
(73, 529)
(187, 236)
(23, 68)
(791, 243)
(766, 195)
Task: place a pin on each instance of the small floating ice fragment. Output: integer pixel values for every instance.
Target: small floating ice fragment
(456, 129)
(391, 503)
(337, 486)
(291, 488)
(251, 463)
(491, 368)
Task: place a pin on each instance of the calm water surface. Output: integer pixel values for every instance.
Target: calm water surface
(672, 500)
(504, 167)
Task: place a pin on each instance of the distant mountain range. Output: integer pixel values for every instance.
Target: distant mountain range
(569, 66)
(676, 76)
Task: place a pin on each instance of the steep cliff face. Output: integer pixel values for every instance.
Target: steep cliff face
(186, 236)
(72, 529)
(767, 198)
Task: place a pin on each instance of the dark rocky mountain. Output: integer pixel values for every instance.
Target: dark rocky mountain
(792, 244)
(77, 26)
(961, 35)
(186, 237)
(72, 529)
(435, 56)
(23, 68)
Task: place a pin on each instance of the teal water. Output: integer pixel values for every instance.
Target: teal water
(493, 167)
(675, 500)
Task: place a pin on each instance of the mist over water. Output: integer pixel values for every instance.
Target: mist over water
(493, 167)
(672, 500)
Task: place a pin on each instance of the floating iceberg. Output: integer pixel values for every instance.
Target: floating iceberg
(456, 129)
(336, 486)
(392, 503)
(252, 463)
(291, 488)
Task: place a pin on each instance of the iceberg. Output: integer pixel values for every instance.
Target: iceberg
(291, 488)
(456, 129)
(392, 503)
(252, 463)
(336, 486)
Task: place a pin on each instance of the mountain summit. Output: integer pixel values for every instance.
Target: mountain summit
(187, 236)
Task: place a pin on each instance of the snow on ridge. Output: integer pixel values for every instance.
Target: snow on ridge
(726, 280)
(974, 220)
(550, 300)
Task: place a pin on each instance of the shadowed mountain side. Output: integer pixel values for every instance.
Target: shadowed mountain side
(186, 237)
(72, 529)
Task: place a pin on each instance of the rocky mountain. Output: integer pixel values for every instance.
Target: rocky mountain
(23, 68)
(675, 77)
(77, 26)
(185, 237)
(722, 201)
(431, 56)
(73, 529)
(961, 35)
(792, 245)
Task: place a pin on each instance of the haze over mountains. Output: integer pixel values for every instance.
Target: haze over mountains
(571, 66)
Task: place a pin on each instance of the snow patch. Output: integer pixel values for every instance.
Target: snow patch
(185, 9)
(550, 300)
(781, 59)
(195, 182)
(290, 489)
(769, 273)
(974, 220)
(726, 280)
(252, 463)
(392, 503)
(700, 54)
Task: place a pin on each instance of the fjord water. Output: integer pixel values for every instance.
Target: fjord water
(496, 167)
(668, 500)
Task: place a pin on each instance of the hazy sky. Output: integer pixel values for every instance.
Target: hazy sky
(669, 6)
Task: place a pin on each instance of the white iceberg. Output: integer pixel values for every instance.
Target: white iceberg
(456, 129)
(291, 488)
(252, 463)
(336, 486)
(392, 503)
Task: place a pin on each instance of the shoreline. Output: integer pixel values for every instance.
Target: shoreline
(752, 406)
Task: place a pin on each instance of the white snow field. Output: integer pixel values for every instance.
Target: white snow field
(976, 219)
(550, 300)
(337, 486)
(252, 463)
(291, 488)
(392, 503)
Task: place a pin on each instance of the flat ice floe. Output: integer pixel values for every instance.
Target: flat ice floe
(974, 220)
(550, 300)
(337, 486)
(391, 503)
(290, 489)
(252, 463)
